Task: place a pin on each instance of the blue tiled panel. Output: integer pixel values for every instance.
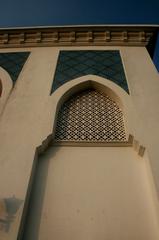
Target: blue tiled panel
(73, 64)
(13, 63)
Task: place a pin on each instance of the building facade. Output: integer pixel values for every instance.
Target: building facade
(79, 133)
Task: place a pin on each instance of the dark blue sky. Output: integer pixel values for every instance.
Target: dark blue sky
(19, 13)
(61, 12)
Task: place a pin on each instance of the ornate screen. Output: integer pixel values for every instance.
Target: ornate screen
(90, 116)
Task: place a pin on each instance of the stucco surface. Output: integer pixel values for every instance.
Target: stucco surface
(87, 192)
(143, 81)
(29, 113)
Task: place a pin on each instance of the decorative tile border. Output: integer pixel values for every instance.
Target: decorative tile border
(13, 63)
(103, 63)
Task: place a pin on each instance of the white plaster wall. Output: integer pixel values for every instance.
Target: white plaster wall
(143, 81)
(22, 123)
(89, 193)
(28, 115)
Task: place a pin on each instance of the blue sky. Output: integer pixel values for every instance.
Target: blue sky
(19, 13)
(62, 12)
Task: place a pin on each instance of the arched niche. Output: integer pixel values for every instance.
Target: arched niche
(100, 84)
(6, 85)
(121, 166)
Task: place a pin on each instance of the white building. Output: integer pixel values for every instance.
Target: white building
(79, 155)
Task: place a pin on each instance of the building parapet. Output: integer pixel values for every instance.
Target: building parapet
(101, 35)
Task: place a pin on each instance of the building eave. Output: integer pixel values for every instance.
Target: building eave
(86, 35)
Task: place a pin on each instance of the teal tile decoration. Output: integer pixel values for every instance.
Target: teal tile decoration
(74, 64)
(13, 63)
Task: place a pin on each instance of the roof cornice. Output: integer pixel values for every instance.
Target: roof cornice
(98, 35)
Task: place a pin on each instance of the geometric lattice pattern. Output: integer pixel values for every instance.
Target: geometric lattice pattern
(90, 116)
(73, 64)
(13, 63)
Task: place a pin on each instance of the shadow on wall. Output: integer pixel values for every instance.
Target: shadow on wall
(8, 209)
(34, 207)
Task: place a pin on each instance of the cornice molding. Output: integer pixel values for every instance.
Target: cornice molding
(78, 36)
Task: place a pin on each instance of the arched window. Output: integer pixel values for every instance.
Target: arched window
(90, 116)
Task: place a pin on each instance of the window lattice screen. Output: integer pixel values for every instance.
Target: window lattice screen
(92, 117)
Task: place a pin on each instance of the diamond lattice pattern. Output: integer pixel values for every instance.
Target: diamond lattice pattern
(90, 116)
(13, 63)
(74, 64)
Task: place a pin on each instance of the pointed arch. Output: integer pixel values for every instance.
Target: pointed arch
(6, 85)
(111, 89)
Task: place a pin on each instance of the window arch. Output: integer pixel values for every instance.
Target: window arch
(90, 116)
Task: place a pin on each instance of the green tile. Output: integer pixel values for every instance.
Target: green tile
(13, 63)
(73, 64)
